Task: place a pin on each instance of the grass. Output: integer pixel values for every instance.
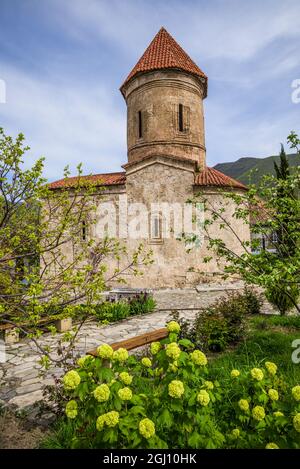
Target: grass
(264, 342)
(262, 321)
(61, 434)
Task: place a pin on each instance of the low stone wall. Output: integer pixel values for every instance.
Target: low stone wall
(188, 298)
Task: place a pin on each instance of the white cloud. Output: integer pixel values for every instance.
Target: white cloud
(238, 30)
(234, 134)
(234, 29)
(65, 122)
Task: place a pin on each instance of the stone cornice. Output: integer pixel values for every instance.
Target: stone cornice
(184, 164)
(180, 142)
(162, 78)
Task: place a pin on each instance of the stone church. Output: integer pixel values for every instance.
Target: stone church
(166, 166)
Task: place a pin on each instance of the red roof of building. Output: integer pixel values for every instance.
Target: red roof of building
(207, 177)
(108, 179)
(163, 53)
(213, 177)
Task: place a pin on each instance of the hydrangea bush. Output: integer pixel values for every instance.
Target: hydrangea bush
(169, 400)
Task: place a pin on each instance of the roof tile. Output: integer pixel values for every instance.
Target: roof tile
(213, 177)
(108, 179)
(163, 53)
(207, 177)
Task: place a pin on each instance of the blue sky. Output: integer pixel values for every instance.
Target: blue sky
(63, 62)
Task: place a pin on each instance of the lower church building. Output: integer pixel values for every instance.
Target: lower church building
(166, 167)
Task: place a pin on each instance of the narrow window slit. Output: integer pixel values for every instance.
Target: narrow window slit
(180, 118)
(156, 227)
(140, 124)
(83, 231)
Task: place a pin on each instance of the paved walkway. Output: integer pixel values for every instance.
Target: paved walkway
(21, 382)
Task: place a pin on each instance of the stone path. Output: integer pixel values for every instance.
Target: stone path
(21, 383)
(21, 380)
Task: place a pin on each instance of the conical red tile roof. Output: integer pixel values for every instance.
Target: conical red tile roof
(213, 177)
(163, 53)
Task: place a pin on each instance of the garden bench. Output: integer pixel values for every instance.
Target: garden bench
(138, 341)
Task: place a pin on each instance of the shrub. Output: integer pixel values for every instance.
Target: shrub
(142, 303)
(176, 404)
(233, 309)
(280, 299)
(211, 332)
(252, 301)
(110, 311)
(222, 324)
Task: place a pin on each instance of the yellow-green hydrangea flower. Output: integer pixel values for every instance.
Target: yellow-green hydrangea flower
(257, 374)
(296, 393)
(100, 422)
(258, 413)
(235, 373)
(71, 409)
(235, 433)
(272, 446)
(173, 351)
(176, 388)
(271, 367)
(273, 394)
(155, 348)
(296, 422)
(278, 414)
(209, 385)
(125, 377)
(101, 393)
(147, 428)
(243, 405)
(82, 360)
(105, 351)
(125, 394)
(71, 380)
(199, 358)
(120, 355)
(173, 366)
(158, 371)
(112, 418)
(173, 326)
(203, 397)
(146, 362)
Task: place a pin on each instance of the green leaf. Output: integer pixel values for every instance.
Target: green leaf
(165, 418)
(186, 343)
(137, 410)
(194, 440)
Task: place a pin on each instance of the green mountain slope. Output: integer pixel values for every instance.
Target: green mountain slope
(250, 170)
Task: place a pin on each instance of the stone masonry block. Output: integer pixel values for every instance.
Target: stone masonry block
(63, 325)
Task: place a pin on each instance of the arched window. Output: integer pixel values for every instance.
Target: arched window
(156, 227)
